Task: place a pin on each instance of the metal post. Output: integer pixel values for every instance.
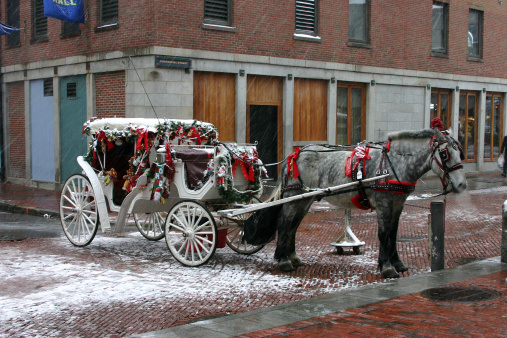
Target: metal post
(436, 235)
(504, 233)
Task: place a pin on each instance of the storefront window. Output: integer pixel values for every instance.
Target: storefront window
(441, 106)
(468, 119)
(350, 113)
(493, 127)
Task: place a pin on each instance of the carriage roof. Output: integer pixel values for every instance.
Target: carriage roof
(152, 125)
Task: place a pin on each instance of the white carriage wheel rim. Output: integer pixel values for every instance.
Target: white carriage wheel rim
(151, 225)
(78, 213)
(191, 233)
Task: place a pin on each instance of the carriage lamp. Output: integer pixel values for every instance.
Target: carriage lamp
(241, 72)
(333, 80)
(457, 88)
(428, 86)
(372, 82)
(483, 90)
(289, 77)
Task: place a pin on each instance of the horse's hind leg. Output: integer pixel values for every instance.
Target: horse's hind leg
(288, 222)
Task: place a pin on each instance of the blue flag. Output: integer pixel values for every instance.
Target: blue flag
(4, 29)
(65, 10)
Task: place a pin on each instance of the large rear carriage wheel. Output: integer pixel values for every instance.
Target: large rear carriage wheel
(78, 210)
(191, 233)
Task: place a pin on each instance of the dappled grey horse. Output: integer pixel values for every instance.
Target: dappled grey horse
(406, 157)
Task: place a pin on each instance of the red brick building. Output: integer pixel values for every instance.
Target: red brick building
(304, 71)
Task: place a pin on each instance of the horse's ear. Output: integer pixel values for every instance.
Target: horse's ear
(449, 131)
(440, 137)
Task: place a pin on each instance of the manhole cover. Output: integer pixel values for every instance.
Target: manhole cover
(460, 294)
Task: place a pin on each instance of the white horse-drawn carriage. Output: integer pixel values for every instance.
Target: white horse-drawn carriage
(171, 176)
(175, 179)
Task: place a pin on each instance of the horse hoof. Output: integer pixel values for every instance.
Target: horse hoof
(400, 267)
(286, 266)
(390, 273)
(296, 262)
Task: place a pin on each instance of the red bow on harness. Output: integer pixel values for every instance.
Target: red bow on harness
(292, 165)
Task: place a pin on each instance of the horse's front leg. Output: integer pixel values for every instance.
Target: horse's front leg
(385, 215)
(395, 260)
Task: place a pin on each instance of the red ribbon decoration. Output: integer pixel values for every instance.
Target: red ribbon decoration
(193, 133)
(143, 135)
(291, 163)
(101, 136)
(244, 163)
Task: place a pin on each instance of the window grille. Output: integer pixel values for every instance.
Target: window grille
(217, 12)
(72, 89)
(13, 20)
(40, 22)
(109, 12)
(306, 17)
(48, 87)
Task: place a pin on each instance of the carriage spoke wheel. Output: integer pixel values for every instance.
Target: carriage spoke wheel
(234, 237)
(191, 233)
(151, 225)
(78, 210)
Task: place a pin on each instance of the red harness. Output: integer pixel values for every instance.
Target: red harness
(355, 166)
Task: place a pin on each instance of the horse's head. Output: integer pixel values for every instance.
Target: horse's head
(446, 158)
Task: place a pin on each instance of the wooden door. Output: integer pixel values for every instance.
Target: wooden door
(310, 110)
(215, 102)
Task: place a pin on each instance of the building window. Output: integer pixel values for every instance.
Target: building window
(218, 12)
(40, 22)
(350, 113)
(70, 29)
(468, 122)
(439, 27)
(13, 20)
(108, 12)
(359, 21)
(48, 87)
(441, 106)
(475, 34)
(493, 130)
(306, 17)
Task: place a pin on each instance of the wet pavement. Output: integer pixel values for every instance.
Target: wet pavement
(123, 285)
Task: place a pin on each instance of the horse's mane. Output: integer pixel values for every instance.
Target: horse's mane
(411, 134)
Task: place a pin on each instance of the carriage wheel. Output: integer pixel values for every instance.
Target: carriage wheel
(78, 210)
(191, 233)
(235, 235)
(151, 225)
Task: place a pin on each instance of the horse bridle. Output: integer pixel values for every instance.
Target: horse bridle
(444, 158)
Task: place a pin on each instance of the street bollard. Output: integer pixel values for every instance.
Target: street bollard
(436, 235)
(504, 233)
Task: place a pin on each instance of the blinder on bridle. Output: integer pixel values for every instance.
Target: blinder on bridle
(445, 157)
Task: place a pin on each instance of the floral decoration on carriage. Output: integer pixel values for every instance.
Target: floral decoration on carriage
(132, 146)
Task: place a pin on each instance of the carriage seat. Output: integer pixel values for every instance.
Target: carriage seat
(195, 164)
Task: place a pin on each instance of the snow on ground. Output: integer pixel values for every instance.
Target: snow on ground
(58, 277)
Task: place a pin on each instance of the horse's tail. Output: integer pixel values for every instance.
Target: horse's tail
(261, 227)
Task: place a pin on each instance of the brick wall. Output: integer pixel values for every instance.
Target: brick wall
(110, 94)
(16, 136)
(400, 34)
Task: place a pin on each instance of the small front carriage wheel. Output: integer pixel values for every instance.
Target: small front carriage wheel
(191, 233)
(235, 239)
(151, 225)
(78, 210)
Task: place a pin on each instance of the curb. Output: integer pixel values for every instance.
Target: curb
(32, 211)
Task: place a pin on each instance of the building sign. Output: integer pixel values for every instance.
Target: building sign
(172, 62)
